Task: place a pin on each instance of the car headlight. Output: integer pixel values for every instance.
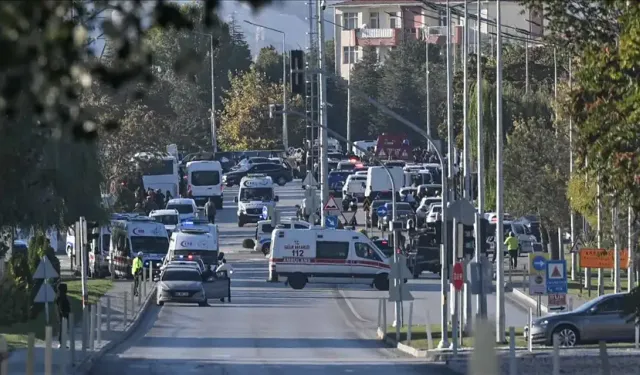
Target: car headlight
(542, 323)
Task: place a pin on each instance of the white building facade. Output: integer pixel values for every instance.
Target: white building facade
(383, 24)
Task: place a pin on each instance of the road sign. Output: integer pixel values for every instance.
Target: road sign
(265, 213)
(382, 211)
(309, 180)
(382, 153)
(602, 258)
(332, 205)
(480, 275)
(45, 294)
(348, 216)
(399, 272)
(331, 222)
(538, 273)
(557, 302)
(366, 205)
(45, 270)
(458, 276)
(556, 276)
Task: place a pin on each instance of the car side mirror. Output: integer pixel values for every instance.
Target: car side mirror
(276, 199)
(235, 199)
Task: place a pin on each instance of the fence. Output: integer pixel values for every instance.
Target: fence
(96, 330)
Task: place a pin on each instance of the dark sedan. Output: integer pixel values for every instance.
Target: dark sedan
(278, 173)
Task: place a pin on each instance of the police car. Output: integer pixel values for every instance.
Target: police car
(256, 191)
(266, 227)
(327, 256)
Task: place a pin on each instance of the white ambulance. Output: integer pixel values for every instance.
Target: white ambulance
(265, 228)
(256, 191)
(193, 242)
(327, 256)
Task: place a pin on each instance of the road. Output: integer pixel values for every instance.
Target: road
(267, 329)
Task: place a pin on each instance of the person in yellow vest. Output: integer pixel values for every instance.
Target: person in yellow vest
(512, 246)
(136, 271)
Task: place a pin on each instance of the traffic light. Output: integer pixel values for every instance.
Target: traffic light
(297, 72)
(484, 232)
(468, 241)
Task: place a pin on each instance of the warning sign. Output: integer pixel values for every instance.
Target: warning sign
(331, 205)
(602, 258)
(366, 205)
(555, 272)
(382, 152)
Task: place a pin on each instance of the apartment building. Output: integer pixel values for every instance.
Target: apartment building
(385, 23)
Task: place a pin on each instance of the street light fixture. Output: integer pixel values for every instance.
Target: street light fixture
(285, 130)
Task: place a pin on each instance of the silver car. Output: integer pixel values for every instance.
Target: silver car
(182, 285)
(598, 319)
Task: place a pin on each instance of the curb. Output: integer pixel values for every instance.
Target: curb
(523, 297)
(87, 363)
(418, 353)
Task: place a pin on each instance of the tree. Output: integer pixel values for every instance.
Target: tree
(245, 122)
(365, 76)
(535, 174)
(269, 62)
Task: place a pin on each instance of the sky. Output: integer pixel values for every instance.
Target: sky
(288, 16)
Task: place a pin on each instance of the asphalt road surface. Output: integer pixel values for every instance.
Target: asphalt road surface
(267, 329)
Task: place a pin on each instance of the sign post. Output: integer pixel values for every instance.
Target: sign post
(556, 284)
(46, 294)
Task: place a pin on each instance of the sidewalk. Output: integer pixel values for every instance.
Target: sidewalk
(111, 334)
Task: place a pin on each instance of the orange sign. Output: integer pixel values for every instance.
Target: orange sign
(602, 258)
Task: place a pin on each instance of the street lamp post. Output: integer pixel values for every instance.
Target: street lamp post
(285, 127)
(214, 140)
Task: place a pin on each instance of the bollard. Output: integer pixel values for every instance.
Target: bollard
(604, 357)
(124, 314)
(31, 343)
(429, 336)
(556, 355)
(133, 312)
(133, 301)
(92, 327)
(83, 330)
(637, 329)
(144, 284)
(62, 368)
(99, 323)
(384, 318)
(108, 314)
(4, 351)
(410, 326)
(513, 365)
(72, 340)
(379, 313)
(529, 337)
(48, 352)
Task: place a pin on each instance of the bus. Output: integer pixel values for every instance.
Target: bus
(159, 171)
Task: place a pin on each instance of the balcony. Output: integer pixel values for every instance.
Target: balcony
(377, 37)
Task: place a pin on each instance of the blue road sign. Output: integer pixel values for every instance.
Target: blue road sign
(556, 276)
(382, 211)
(331, 222)
(265, 213)
(539, 262)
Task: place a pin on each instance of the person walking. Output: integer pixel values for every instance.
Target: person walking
(210, 211)
(512, 246)
(227, 270)
(64, 308)
(136, 271)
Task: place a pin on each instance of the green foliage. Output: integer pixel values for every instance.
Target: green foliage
(582, 195)
(19, 270)
(269, 62)
(365, 76)
(15, 302)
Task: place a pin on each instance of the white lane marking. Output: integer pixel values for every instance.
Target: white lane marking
(351, 307)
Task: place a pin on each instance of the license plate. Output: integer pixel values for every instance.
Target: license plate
(182, 294)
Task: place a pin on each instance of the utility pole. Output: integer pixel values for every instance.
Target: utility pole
(450, 149)
(465, 103)
(631, 272)
(481, 299)
(426, 75)
(351, 45)
(615, 225)
(285, 125)
(214, 140)
(574, 253)
(500, 313)
(599, 235)
(311, 89)
(322, 83)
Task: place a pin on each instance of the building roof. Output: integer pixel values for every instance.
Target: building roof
(354, 3)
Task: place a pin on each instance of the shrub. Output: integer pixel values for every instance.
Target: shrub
(15, 301)
(19, 270)
(248, 243)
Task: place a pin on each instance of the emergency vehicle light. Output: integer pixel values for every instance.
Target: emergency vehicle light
(190, 257)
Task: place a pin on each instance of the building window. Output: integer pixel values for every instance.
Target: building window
(374, 20)
(349, 55)
(350, 21)
(394, 20)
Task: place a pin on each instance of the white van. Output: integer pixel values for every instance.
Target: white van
(186, 207)
(378, 180)
(326, 256)
(265, 228)
(98, 255)
(169, 218)
(195, 242)
(205, 181)
(354, 186)
(256, 191)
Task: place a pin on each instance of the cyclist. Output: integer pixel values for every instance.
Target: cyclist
(136, 271)
(512, 246)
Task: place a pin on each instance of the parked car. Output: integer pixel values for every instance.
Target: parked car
(278, 173)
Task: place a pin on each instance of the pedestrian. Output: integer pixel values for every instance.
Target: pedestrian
(210, 211)
(64, 308)
(512, 246)
(136, 271)
(226, 270)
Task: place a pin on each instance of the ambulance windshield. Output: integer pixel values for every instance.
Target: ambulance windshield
(264, 194)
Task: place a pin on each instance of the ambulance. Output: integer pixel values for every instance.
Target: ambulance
(264, 228)
(256, 191)
(326, 256)
(193, 243)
